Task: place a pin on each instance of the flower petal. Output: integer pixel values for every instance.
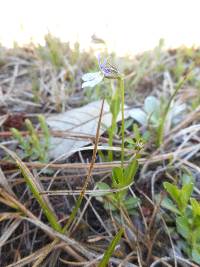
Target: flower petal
(97, 78)
(90, 76)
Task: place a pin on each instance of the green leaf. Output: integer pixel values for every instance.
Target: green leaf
(183, 227)
(130, 141)
(131, 202)
(118, 177)
(185, 195)
(136, 132)
(196, 232)
(101, 186)
(174, 192)
(168, 204)
(130, 171)
(195, 206)
(196, 254)
(187, 179)
(115, 105)
(180, 196)
(109, 251)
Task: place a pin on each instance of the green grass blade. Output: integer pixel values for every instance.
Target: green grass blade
(47, 211)
(160, 132)
(108, 253)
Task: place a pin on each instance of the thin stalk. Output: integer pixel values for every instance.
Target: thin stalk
(121, 85)
(162, 123)
(110, 141)
(81, 196)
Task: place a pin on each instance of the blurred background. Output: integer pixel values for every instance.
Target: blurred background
(127, 26)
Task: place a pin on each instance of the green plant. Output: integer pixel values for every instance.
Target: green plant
(33, 145)
(35, 86)
(187, 212)
(116, 196)
(122, 177)
(139, 139)
(108, 253)
(55, 50)
(158, 112)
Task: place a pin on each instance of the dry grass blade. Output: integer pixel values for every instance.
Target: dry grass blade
(49, 248)
(9, 230)
(47, 229)
(27, 260)
(79, 201)
(70, 241)
(180, 260)
(36, 187)
(194, 115)
(4, 183)
(107, 165)
(9, 215)
(3, 119)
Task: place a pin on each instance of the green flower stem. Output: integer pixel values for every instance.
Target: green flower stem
(121, 85)
(110, 141)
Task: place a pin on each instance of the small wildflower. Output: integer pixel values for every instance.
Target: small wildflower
(106, 70)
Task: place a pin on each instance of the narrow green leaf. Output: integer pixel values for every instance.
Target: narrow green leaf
(28, 178)
(117, 177)
(108, 253)
(160, 130)
(130, 171)
(136, 132)
(115, 104)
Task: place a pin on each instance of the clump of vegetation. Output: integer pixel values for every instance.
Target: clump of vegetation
(138, 197)
(187, 212)
(33, 146)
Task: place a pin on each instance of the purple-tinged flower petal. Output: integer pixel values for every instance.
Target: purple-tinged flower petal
(101, 65)
(108, 70)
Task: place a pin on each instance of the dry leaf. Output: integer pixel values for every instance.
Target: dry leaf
(82, 120)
